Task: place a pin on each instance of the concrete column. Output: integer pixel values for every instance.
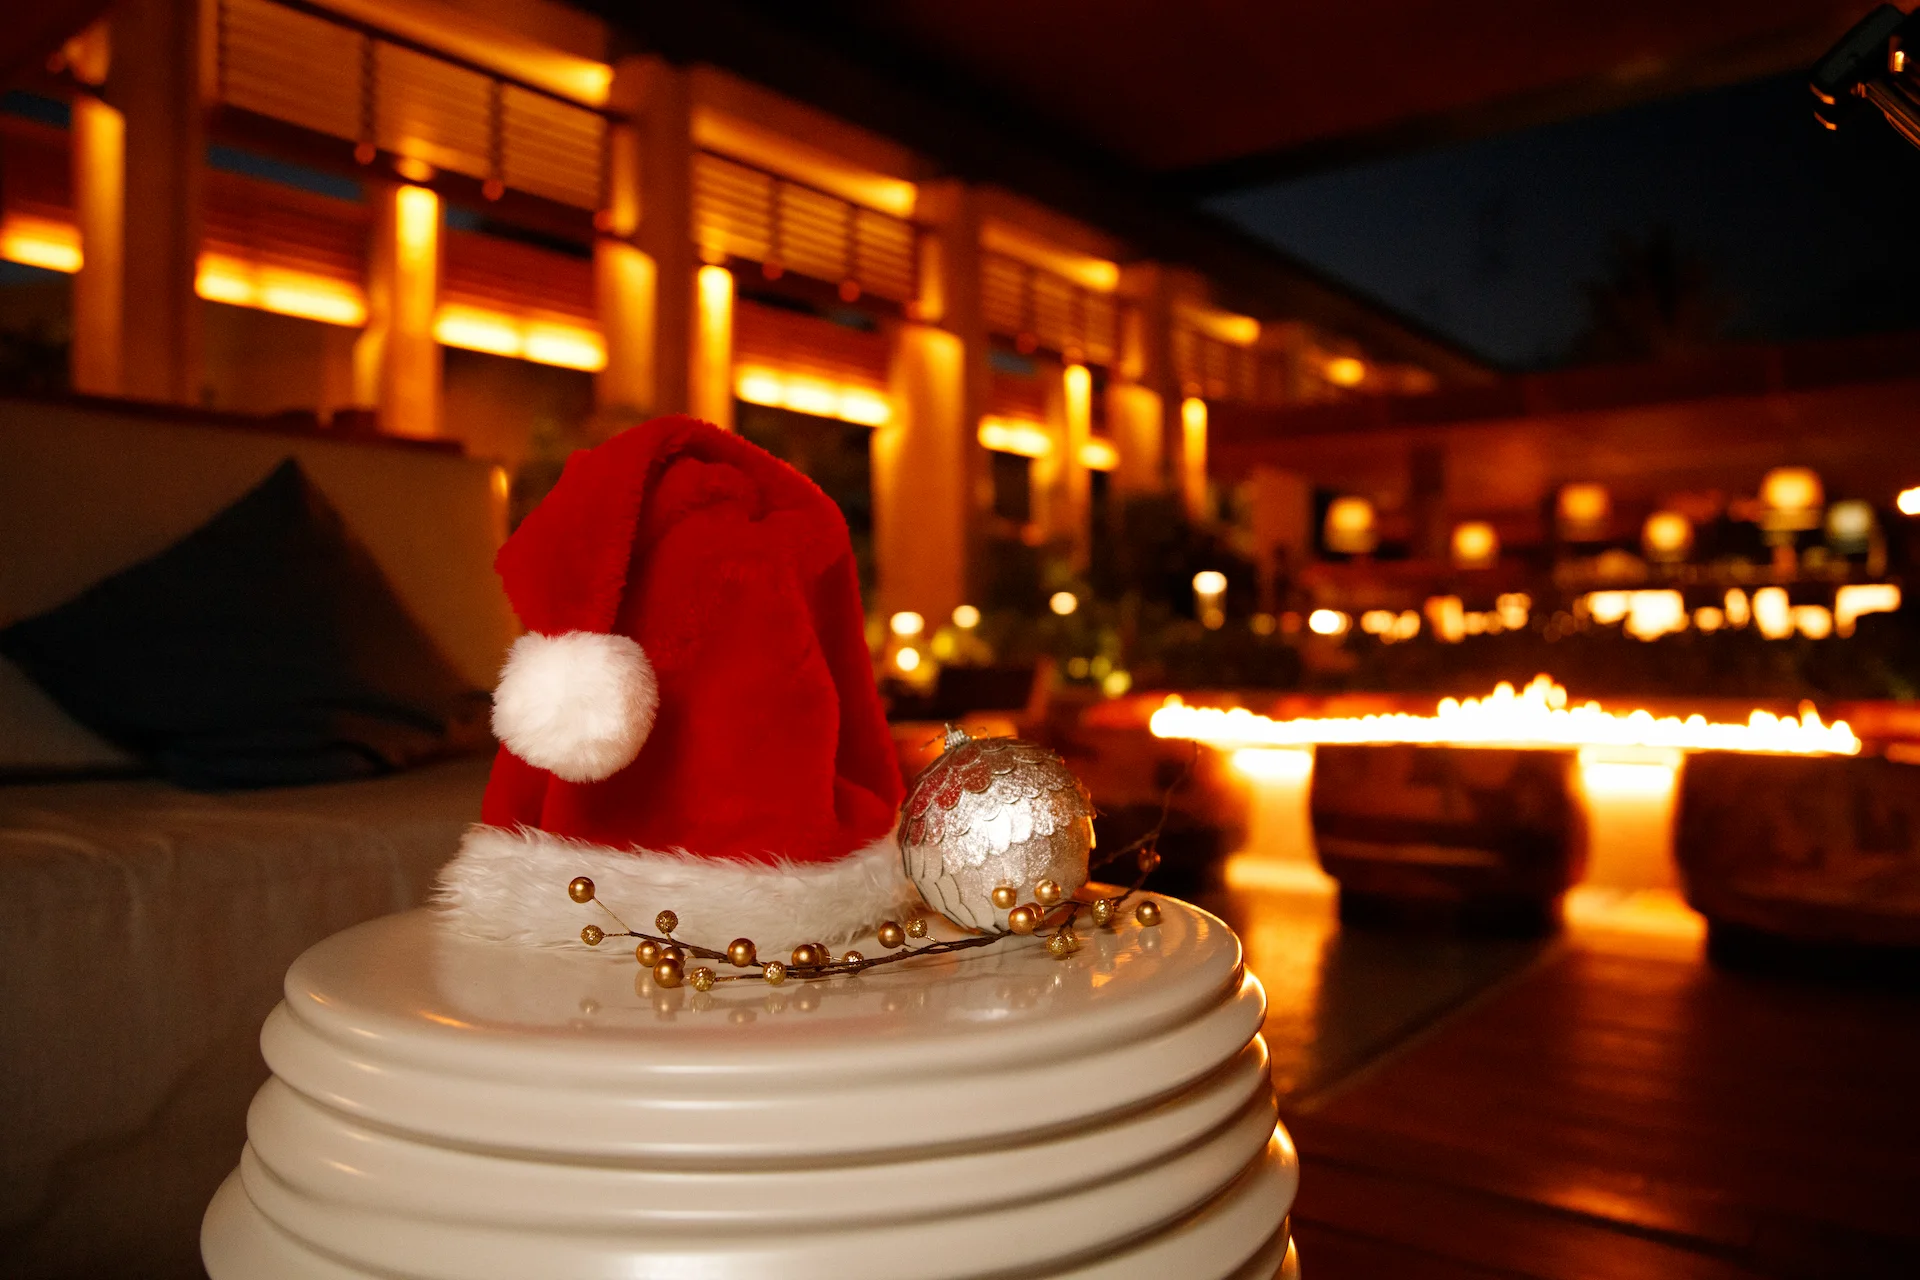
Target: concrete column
(710, 394)
(626, 285)
(1150, 368)
(396, 361)
(659, 98)
(944, 482)
(1074, 517)
(1046, 477)
(99, 142)
(155, 83)
(1136, 413)
(920, 498)
(1136, 419)
(1192, 457)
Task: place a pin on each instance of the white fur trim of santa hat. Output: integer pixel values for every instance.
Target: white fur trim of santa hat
(579, 705)
(511, 886)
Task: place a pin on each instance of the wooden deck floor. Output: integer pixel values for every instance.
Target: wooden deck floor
(1607, 1114)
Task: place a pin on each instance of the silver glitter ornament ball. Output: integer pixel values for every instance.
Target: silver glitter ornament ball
(992, 812)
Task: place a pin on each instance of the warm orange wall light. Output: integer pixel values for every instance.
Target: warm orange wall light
(1078, 384)
(1013, 435)
(474, 329)
(1346, 371)
(1076, 389)
(40, 242)
(236, 282)
(776, 152)
(416, 213)
(1017, 243)
(1475, 545)
(541, 341)
(1239, 330)
(1193, 454)
(712, 390)
(817, 396)
(564, 345)
(1350, 526)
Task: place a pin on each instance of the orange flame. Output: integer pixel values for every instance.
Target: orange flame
(1537, 716)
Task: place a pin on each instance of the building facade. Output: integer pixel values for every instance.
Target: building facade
(489, 224)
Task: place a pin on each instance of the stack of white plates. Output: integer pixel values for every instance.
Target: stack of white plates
(444, 1107)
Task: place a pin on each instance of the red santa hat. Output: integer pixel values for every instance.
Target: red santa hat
(691, 718)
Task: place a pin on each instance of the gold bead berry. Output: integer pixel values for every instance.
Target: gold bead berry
(580, 889)
(1060, 946)
(701, 978)
(592, 934)
(917, 927)
(1047, 892)
(891, 935)
(1102, 911)
(647, 953)
(741, 953)
(668, 973)
(775, 973)
(666, 922)
(808, 955)
(1004, 896)
(1024, 919)
(853, 958)
(1147, 913)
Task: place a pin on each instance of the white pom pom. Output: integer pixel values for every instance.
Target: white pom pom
(578, 705)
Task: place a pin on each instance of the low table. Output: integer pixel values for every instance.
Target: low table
(446, 1107)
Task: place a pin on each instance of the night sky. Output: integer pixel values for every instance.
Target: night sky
(1804, 233)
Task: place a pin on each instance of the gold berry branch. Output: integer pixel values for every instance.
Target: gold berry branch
(669, 957)
(1051, 915)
